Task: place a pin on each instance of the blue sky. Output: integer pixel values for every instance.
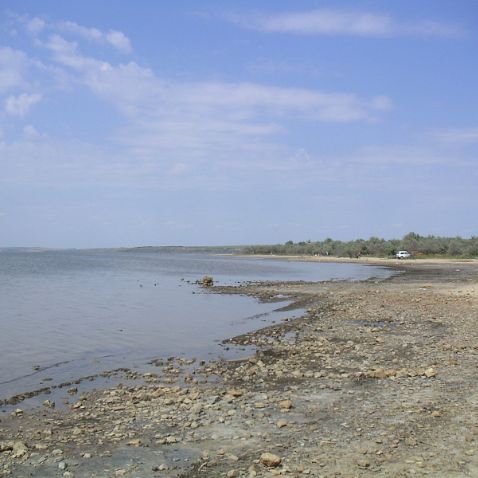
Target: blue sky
(128, 123)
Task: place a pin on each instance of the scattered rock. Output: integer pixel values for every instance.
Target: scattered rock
(285, 404)
(19, 449)
(270, 460)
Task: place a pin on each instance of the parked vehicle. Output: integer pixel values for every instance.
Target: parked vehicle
(403, 255)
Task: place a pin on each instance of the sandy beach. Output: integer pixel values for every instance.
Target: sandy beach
(378, 378)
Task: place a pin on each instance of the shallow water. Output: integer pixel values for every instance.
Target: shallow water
(66, 314)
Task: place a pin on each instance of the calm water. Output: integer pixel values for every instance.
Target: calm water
(74, 313)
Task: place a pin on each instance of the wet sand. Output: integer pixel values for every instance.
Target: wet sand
(379, 378)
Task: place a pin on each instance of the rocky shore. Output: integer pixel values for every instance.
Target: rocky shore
(378, 378)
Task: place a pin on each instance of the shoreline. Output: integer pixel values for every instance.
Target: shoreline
(377, 379)
(386, 261)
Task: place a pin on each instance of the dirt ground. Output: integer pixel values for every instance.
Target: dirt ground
(378, 378)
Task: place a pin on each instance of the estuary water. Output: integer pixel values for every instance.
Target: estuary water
(71, 313)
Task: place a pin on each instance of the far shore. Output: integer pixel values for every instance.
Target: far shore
(362, 260)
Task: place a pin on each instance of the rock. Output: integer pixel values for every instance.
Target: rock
(286, 404)
(19, 449)
(136, 442)
(381, 373)
(430, 372)
(49, 404)
(161, 467)
(232, 474)
(270, 460)
(235, 393)
(410, 441)
(207, 281)
(363, 464)
(62, 465)
(281, 423)
(6, 446)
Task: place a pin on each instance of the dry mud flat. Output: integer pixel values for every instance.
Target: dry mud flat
(378, 379)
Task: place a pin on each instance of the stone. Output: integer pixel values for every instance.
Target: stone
(281, 423)
(363, 464)
(286, 404)
(430, 372)
(6, 446)
(235, 393)
(19, 449)
(270, 460)
(136, 442)
(410, 441)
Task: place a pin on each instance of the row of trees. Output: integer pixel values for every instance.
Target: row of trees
(414, 243)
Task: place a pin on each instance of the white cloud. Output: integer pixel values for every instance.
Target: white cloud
(35, 25)
(136, 90)
(458, 135)
(119, 40)
(31, 132)
(20, 105)
(186, 128)
(13, 65)
(113, 38)
(343, 22)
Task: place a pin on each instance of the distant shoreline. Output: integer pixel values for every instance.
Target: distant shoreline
(361, 260)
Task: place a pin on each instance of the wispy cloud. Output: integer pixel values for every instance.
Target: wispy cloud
(13, 66)
(137, 90)
(20, 105)
(114, 38)
(37, 26)
(458, 135)
(343, 22)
